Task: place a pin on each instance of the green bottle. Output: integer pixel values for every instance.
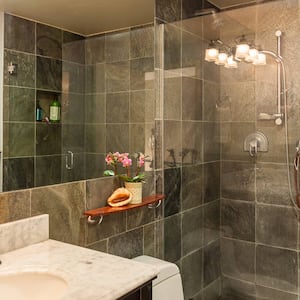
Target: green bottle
(55, 111)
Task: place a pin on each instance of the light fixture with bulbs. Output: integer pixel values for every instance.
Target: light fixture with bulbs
(224, 55)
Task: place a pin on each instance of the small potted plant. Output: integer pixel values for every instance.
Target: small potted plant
(133, 180)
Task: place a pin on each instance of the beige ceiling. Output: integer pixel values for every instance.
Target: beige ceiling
(86, 17)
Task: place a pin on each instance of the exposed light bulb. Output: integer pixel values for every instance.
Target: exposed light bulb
(260, 60)
(211, 54)
(222, 58)
(252, 55)
(231, 63)
(242, 50)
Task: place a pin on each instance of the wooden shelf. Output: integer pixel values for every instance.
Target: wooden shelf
(98, 212)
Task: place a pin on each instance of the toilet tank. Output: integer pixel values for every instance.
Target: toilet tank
(168, 283)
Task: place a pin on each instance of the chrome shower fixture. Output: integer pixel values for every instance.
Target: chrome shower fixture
(229, 56)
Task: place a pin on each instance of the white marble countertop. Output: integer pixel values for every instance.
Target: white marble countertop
(90, 274)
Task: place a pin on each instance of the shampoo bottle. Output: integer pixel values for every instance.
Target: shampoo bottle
(38, 115)
(55, 111)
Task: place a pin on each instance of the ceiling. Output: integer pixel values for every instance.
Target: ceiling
(86, 17)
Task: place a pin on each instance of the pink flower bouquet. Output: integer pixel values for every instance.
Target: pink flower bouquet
(113, 159)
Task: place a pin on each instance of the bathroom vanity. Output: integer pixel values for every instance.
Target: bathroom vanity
(68, 272)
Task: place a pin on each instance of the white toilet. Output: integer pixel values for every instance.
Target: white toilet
(168, 283)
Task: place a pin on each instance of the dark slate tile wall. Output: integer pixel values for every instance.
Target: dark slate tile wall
(120, 101)
(47, 67)
(259, 226)
(191, 151)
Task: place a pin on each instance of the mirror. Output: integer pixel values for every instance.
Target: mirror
(104, 85)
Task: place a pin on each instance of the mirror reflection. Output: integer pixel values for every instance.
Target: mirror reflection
(69, 99)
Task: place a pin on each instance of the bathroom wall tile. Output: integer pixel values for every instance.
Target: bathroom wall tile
(139, 69)
(137, 138)
(211, 141)
(237, 290)
(117, 137)
(14, 206)
(48, 41)
(168, 10)
(19, 34)
(189, 8)
(238, 181)
(172, 238)
(73, 77)
(211, 222)
(48, 139)
(48, 74)
(95, 78)
(18, 104)
(192, 49)
(212, 291)
(25, 76)
(211, 263)
(128, 244)
(95, 138)
(211, 180)
(211, 94)
(192, 273)
(142, 106)
(211, 72)
(236, 102)
(276, 145)
(77, 172)
(191, 99)
(65, 205)
(94, 49)
(95, 108)
(18, 173)
(271, 294)
(192, 189)
(192, 133)
(149, 232)
(271, 184)
(111, 225)
(117, 46)
(73, 48)
(142, 41)
(72, 138)
(276, 226)
(172, 47)
(238, 259)
(92, 160)
(244, 73)
(117, 76)
(158, 140)
(139, 217)
(232, 140)
(269, 270)
(99, 246)
(172, 147)
(117, 107)
(47, 170)
(172, 190)
(98, 190)
(192, 230)
(238, 219)
(19, 139)
(172, 96)
(72, 108)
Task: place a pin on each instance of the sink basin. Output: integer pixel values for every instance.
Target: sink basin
(32, 286)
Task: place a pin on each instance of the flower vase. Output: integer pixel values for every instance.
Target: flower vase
(135, 188)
